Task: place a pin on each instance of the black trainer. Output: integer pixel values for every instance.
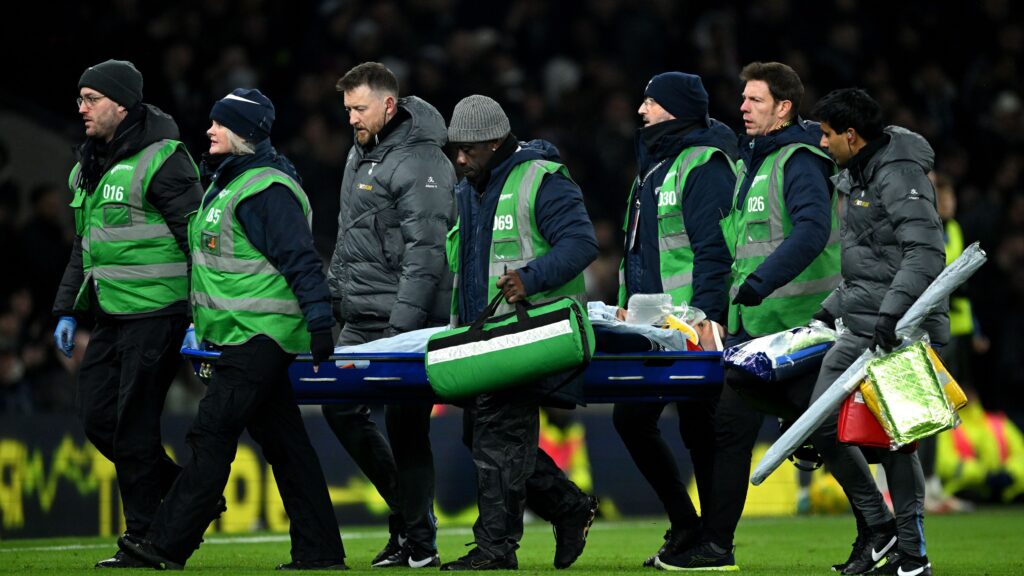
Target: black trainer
(477, 559)
(145, 551)
(121, 560)
(705, 556)
(675, 541)
(314, 565)
(571, 534)
(904, 564)
(407, 557)
(394, 546)
(869, 549)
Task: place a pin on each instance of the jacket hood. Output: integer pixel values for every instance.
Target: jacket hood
(536, 150)
(904, 146)
(669, 140)
(155, 125)
(718, 135)
(531, 150)
(424, 125)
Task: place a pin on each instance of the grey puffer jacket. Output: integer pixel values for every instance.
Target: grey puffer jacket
(892, 237)
(397, 204)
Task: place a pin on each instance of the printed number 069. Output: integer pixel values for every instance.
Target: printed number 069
(503, 222)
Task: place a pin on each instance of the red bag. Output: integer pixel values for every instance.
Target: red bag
(857, 425)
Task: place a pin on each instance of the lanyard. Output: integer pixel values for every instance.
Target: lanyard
(636, 205)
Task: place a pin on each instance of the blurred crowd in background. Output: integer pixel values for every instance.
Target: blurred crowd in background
(569, 72)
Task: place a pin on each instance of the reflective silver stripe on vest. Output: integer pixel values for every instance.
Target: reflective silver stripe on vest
(764, 249)
(667, 243)
(497, 269)
(76, 177)
(141, 272)
(227, 218)
(806, 287)
(453, 318)
(135, 189)
(85, 241)
(523, 225)
(235, 265)
(775, 218)
(682, 239)
(125, 233)
(263, 305)
(676, 281)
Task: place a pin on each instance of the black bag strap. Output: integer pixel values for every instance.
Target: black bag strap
(521, 307)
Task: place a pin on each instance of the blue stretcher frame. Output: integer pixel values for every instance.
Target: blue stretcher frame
(401, 377)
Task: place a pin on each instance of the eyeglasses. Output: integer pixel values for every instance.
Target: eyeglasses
(89, 100)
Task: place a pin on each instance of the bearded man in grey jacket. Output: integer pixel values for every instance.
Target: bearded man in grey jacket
(388, 275)
(892, 249)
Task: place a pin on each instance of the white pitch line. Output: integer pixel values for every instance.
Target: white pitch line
(230, 540)
(284, 537)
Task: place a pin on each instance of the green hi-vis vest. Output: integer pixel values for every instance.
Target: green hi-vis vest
(756, 229)
(236, 292)
(961, 321)
(128, 252)
(514, 245)
(674, 252)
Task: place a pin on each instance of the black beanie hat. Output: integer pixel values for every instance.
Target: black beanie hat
(246, 112)
(118, 80)
(681, 95)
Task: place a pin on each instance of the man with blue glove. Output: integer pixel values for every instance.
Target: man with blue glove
(133, 186)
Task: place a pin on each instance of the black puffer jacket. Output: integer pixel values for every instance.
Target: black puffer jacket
(397, 205)
(892, 237)
(174, 190)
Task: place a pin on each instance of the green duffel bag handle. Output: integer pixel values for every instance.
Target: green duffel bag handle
(459, 384)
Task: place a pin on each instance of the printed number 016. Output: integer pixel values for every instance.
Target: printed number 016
(113, 192)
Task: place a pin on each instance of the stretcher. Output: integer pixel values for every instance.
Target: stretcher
(401, 377)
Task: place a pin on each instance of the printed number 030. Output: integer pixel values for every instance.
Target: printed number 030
(503, 222)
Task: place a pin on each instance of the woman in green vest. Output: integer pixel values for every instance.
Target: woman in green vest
(258, 293)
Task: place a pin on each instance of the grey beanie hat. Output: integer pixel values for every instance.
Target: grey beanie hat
(478, 118)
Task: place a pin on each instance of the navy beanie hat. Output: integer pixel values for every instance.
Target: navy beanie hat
(681, 95)
(118, 80)
(246, 112)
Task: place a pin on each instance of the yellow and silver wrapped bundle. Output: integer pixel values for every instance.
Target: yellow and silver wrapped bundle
(911, 403)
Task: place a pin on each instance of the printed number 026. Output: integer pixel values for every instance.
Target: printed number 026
(755, 204)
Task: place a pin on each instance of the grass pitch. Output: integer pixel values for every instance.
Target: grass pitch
(988, 543)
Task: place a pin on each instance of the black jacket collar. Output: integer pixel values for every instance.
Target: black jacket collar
(860, 160)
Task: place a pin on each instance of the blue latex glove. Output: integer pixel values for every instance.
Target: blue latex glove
(190, 339)
(64, 335)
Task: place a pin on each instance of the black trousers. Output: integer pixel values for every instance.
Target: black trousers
(637, 425)
(737, 425)
(127, 369)
(250, 390)
(402, 471)
(502, 431)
